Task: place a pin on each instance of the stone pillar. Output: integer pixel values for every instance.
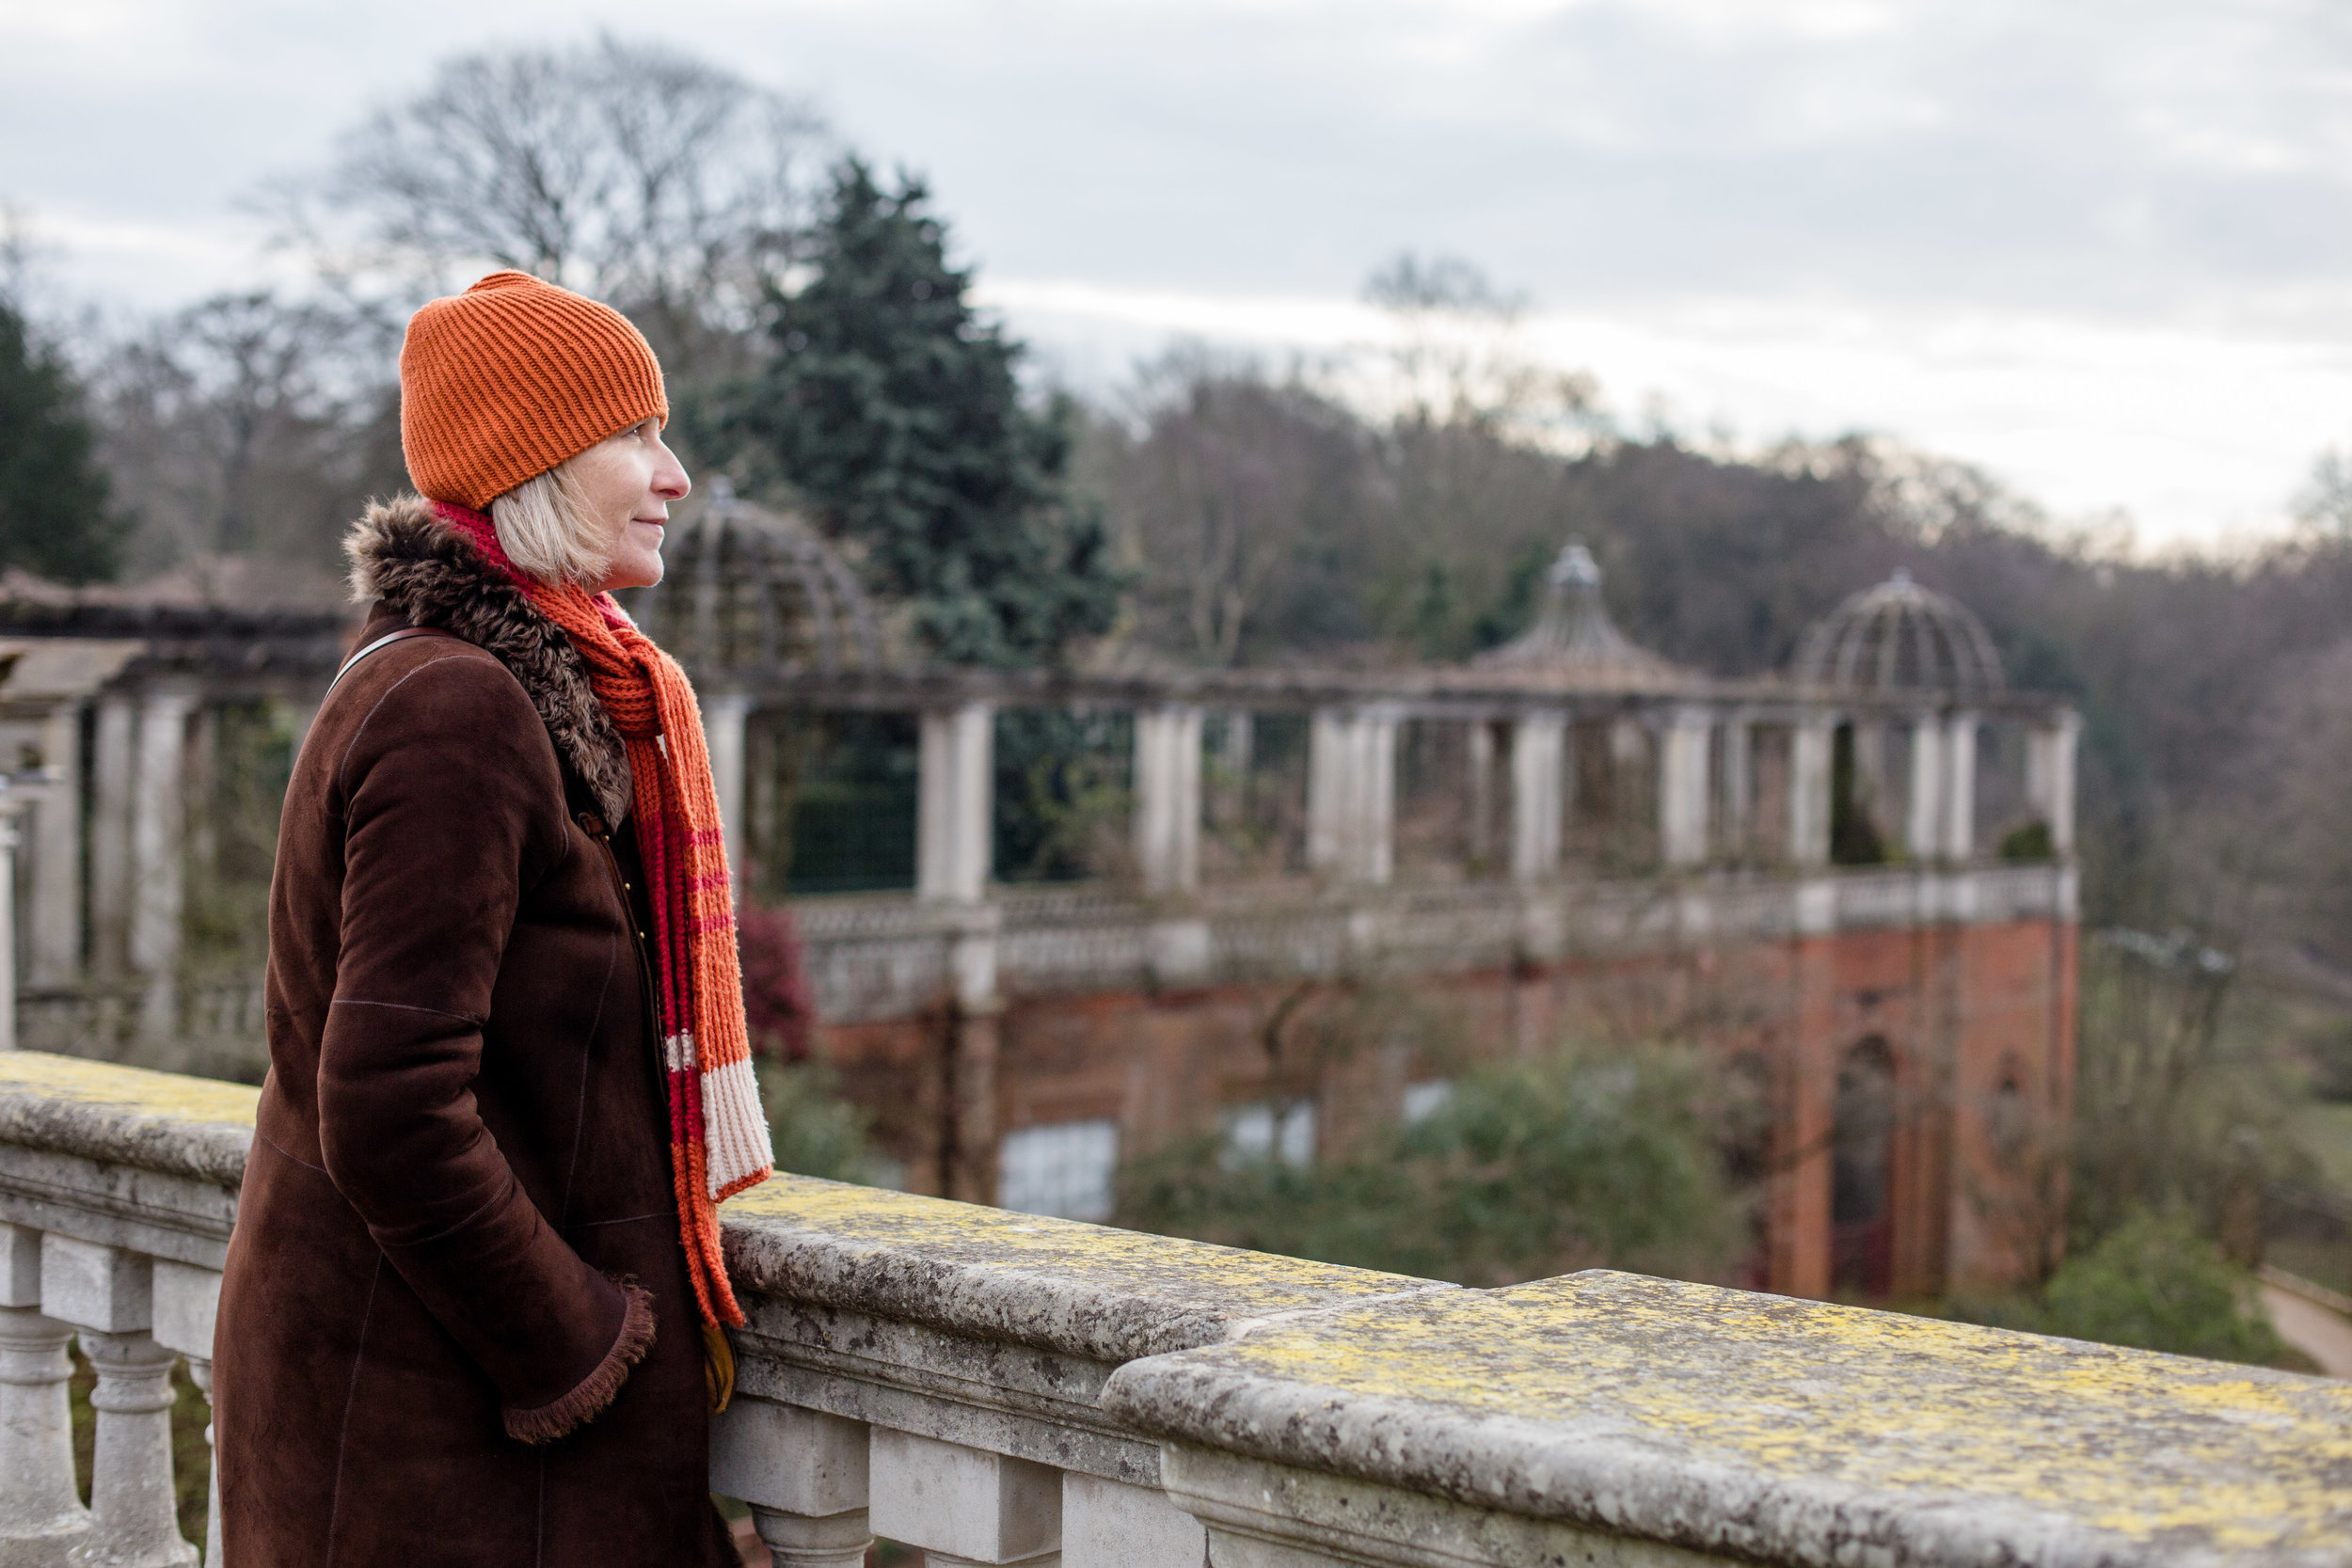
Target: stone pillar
(1329, 790)
(1923, 830)
(1810, 740)
(1538, 795)
(805, 1475)
(1351, 796)
(1737, 798)
(725, 716)
(1110, 1524)
(113, 763)
(1375, 822)
(41, 1517)
(956, 826)
(107, 1295)
(187, 1300)
(1960, 787)
(56, 847)
(1479, 780)
(2050, 749)
(12, 814)
(1167, 819)
(158, 832)
(956, 813)
(964, 1506)
(1682, 788)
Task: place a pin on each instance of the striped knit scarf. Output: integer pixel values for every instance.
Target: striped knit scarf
(718, 1133)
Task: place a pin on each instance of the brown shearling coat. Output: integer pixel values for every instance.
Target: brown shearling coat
(457, 1227)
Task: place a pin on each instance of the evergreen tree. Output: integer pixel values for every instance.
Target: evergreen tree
(891, 407)
(53, 495)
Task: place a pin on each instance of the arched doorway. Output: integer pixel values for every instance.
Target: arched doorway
(1862, 1166)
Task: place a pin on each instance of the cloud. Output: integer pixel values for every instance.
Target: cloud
(2129, 167)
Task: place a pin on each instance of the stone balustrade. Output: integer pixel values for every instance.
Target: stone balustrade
(997, 1388)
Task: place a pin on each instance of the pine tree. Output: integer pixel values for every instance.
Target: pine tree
(54, 519)
(891, 407)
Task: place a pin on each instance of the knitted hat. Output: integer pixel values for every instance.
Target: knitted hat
(499, 384)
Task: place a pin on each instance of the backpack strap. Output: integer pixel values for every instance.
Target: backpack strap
(384, 642)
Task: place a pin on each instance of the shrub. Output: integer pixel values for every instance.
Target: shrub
(1529, 1170)
(2155, 1284)
(813, 1130)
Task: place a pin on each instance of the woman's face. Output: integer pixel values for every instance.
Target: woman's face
(628, 481)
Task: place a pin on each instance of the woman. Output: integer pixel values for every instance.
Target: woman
(471, 1308)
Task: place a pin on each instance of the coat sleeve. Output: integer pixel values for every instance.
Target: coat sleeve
(453, 807)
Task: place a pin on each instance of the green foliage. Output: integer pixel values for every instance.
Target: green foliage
(1529, 1170)
(814, 1130)
(1063, 799)
(2152, 1283)
(2028, 842)
(1853, 837)
(54, 519)
(891, 407)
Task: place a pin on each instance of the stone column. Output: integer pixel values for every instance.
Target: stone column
(41, 1517)
(12, 814)
(1810, 740)
(725, 716)
(2050, 749)
(805, 1475)
(158, 834)
(1923, 832)
(1682, 788)
(56, 847)
(187, 1300)
(964, 1506)
(113, 765)
(1166, 821)
(107, 1295)
(1375, 821)
(1351, 796)
(1538, 795)
(1330, 789)
(1478, 782)
(956, 813)
(1737, 798)
(1960, 787)
(1111, 1523)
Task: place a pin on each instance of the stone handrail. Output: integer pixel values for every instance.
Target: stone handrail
(998, 1388)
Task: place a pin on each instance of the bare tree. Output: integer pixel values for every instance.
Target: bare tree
(238, 427)
(672, 187)
(1237, 497)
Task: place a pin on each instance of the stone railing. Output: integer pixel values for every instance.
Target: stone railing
(889, 956)
(996, 1388)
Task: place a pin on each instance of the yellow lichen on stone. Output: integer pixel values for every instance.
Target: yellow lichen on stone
(2121, 1440)
(170, 1096)
(1250, 1281)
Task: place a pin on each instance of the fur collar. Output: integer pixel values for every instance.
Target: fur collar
(422, 568)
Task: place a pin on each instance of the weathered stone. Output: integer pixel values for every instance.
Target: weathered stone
(1786, 1430)
(1055, 1284)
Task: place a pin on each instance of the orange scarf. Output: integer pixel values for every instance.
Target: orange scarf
(718, 1130)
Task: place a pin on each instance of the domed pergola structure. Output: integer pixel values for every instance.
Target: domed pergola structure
(1898, 638)
(1573, 642)
(749, 589)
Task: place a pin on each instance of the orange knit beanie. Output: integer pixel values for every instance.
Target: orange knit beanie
(501, 383)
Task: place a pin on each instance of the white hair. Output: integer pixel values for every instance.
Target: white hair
(544, 527)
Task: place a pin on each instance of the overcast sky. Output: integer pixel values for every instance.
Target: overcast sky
(2103, 247)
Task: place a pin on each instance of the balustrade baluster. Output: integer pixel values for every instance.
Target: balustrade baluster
(965, 1508)
(805, 1475)
(187, 1299)
(42, 1515)
(109, 1295)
